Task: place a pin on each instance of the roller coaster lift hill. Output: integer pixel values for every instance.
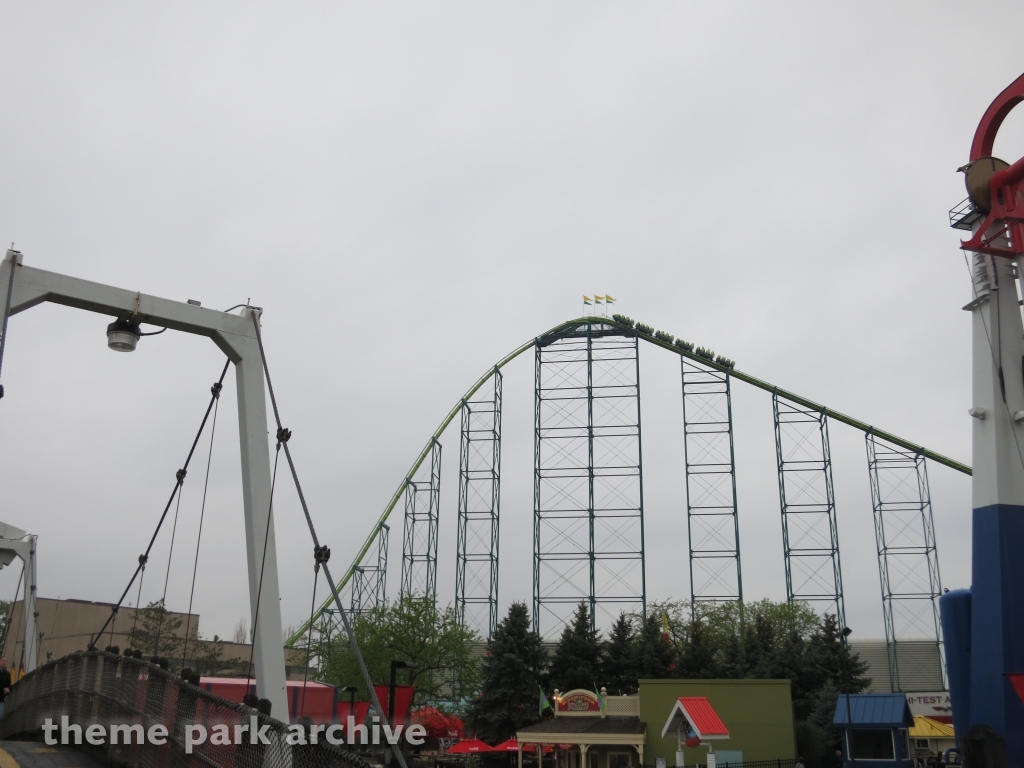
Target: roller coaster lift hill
(983, 626)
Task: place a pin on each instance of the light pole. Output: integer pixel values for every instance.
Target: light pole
(846, 684)
(396, 665)
(351, 691)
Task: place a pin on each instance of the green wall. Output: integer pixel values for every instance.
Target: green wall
(758, 714)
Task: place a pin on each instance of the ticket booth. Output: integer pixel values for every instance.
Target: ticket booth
(874, 727)
(695, 723)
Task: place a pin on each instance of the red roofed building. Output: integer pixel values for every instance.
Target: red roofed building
(694, 722)
(741, 720)
(694, 714)
(712, 722)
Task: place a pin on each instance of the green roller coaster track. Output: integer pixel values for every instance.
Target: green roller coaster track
(300, 633)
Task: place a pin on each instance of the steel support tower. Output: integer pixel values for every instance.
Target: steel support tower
(588, 476)
(908, 563)
(711, 516)
(810, 538)
(476, 565)
(369, 581)
(419, 540)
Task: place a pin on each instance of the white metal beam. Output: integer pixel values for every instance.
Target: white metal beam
(236, 337)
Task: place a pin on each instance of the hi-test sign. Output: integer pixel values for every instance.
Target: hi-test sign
(577, 702)
(934, 704)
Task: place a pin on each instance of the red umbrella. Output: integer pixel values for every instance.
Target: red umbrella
(506, 746)
(438, 724)
(468, 746)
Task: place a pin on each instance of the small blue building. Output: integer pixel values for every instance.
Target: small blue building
(873, 728)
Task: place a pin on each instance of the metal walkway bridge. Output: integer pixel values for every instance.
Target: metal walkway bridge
(588, 510)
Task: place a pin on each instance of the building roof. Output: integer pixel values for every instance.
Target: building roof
(627, 726)
(873, 709)
(697, 712)
(927, 728)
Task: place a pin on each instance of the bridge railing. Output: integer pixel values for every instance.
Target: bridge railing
(101, 689)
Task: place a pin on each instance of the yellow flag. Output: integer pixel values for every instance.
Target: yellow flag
(598, 298)
(609, 299)
(586, 300)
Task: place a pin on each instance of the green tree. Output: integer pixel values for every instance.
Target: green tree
(653, 654)
(766, 639)
(207, 655)
(823, 705)
(510, 678)
(833, 660)
(410, 629)
(732, 662)
(156, 631)
(577, 661)
(619, 673)
(816, 745)
(698, 657)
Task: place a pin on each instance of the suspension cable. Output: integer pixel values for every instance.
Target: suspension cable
(167, 576)
(215, 391)
(179, 479)
(320, 555)
(138, 605)
(309, 641)
(395, 748)
(12, 257)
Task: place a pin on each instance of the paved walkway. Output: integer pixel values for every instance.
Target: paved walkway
(35, 754)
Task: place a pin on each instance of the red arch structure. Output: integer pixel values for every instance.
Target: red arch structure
(1002, 231)
(992, 120)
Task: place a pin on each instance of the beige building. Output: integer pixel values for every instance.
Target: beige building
(66, 626)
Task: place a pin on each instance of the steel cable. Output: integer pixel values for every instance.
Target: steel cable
(309, 639)
(216, 390)
(179, 480)
(395, 747)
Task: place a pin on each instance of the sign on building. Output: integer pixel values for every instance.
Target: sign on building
(935, 704)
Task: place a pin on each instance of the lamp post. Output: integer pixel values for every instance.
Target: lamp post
(351, 691)
(396, 665)
(846, 684)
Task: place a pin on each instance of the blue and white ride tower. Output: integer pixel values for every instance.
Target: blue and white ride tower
(983, 626)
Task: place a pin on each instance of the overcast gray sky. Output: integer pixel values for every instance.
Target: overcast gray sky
(412, 190)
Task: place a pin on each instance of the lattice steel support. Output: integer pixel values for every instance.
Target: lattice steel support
(711, 516)
(908, 562)
(810, 537)
(369, 581)
(419, 540)
(588, 476)
(476, 566)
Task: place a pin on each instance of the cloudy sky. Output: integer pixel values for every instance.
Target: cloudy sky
(412, 190)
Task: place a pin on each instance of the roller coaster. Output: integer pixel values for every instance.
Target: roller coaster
(588, 510)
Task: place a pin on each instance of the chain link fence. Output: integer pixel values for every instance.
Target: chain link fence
(96, 688)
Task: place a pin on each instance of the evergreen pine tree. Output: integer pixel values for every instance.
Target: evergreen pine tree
(733, 665)
(619, 674)
(833, 660)
(577, 662)
(509, 678)
(653, 656)
(156, 632)
(697, 656)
